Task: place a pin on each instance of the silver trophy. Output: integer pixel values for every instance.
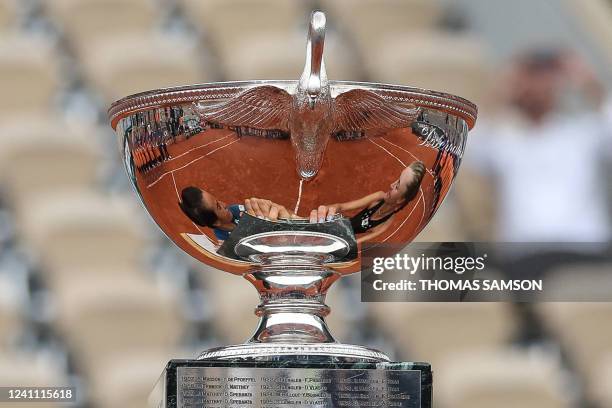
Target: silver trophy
(283, 182)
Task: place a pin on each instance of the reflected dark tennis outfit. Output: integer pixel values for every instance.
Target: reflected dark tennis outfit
(363, 221)
(236, 211)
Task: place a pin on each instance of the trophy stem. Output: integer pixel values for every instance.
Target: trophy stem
(292, 288)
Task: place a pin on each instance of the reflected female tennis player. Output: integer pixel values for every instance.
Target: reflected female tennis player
(377, 209)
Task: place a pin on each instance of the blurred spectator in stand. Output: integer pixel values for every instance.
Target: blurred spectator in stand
(543, 152)
(544, 160)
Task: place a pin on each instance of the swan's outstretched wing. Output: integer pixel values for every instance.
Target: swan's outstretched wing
(262, 107)
(359, 110)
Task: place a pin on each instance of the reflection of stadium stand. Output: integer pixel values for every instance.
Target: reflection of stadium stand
(214, 125)
(346, 136)
(150, 134)
(247, 131)
(267, 134)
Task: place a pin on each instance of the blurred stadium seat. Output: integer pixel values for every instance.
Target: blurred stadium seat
(11, 310)
(10, 324)
(233, 302)
(593, 18)
(29, 73)
(270, 56)
(252, 58)
(30, 369)
(44, 154)
(501, 379)
(227, 21)
(474, 197)
(342, 313)
(580, 281)
(585, 331)
(602, 383)
(446, 62)
(113, 316)
(458, 327)
(84, 22)
(86, 233)
(130, 376)
(374, 22)
(120, 66)
(446, 226)
(8, 15)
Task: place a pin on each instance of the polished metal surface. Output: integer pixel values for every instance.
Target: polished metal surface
(371, 162)
(229, 387)
(345, 353)
(292, 242)
(168, 147)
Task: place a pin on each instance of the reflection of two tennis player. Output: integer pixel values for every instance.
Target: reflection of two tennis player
(377, 209)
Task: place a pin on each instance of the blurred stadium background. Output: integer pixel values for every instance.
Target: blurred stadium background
(92, 295)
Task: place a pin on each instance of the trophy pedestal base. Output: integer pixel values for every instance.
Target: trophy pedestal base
(273, 384)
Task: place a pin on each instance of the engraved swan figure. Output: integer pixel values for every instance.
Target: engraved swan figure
(311, 115)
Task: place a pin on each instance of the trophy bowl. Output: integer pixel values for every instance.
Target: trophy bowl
(283, 181)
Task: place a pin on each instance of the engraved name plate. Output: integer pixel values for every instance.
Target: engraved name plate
(237, 387)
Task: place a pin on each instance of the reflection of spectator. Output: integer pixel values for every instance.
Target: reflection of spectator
(377, 209)
(206, 211)
(181, 121)
(544, 163)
